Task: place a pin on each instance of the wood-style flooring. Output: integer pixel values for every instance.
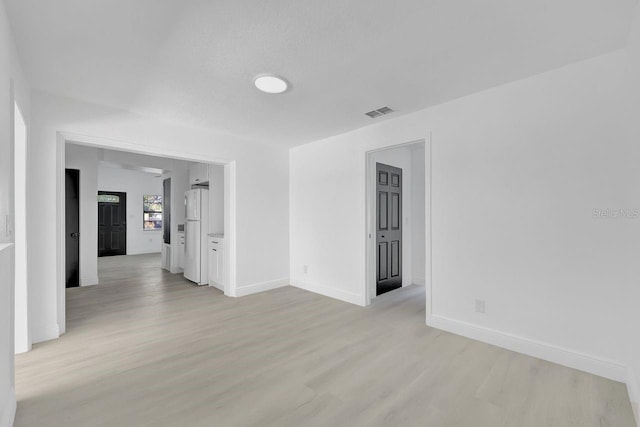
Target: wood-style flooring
(147, 348)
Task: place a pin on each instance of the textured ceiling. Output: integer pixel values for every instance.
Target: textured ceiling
(194, 61)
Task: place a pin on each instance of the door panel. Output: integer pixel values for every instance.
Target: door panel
(395, 211)
(383, 177)
(389, 228)
(383, 198)
(115, 241)
(112, 223)
(72, 227)
(395, 258)
(382, 261)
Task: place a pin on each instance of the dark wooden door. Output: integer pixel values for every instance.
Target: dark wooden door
(166, 198)
(72, 227)
(112, 223)
(388, 228)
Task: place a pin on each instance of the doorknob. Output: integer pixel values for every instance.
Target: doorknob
(75, 235)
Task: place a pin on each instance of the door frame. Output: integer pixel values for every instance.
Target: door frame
(126, 225)
(20, 317)
(62, 138)
(370, 221)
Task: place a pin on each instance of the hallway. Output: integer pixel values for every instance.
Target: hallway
(146, 347)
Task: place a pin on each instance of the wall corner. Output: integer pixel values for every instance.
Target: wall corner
(8, 409)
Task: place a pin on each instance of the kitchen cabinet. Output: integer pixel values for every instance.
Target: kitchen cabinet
(216, 262)
(199, 174)
(166, 256)
(181, 249)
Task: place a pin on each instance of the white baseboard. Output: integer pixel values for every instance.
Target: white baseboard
(633, 389)
(49, 332)
(23, 348)
(89, 280)
(8, 409)
(420, 281)
(144, 252)
(338, 294)
(552, 353)
(254, 288)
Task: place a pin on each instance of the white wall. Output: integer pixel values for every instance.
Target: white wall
(13, 87)
(22, 337)
(216, 199)
(516, 173)
(6, 137)
(136, 185)
(179, 184)
(261, 178)
(632, 245)
(418, 222)
(7, 391)
(86, 160)
(133, 160)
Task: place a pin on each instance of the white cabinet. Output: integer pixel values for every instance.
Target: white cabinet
(216, 262)
(166, 257)
(198, 174)
(181, 249)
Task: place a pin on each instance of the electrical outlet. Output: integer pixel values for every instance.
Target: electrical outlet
(305, 269)
(480, 308)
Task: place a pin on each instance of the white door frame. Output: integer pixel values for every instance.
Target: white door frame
(22, 338)
(370, 220)
(230, 205)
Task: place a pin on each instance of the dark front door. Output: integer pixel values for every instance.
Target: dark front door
(112, 223)
(388, 228)
(72, 227)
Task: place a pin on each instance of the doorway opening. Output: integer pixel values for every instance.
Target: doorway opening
(397, 205)
(132, 215)
(112, 223)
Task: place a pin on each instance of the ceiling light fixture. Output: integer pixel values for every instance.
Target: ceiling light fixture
(270, 83)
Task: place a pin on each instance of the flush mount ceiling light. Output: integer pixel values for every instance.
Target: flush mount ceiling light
(270, 83)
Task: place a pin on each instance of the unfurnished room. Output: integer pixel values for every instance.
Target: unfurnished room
(319, 213)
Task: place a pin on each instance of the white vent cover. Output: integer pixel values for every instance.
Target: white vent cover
(379, 112)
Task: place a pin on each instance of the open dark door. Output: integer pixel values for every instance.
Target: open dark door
(72, 227)
(166, 197)
(388, 228)
(112, 223)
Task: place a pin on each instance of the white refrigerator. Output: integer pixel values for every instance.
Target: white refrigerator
(196, 205)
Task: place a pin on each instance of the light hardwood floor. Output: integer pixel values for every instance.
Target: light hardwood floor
(147, 348)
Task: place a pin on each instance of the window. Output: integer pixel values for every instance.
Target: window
(108, 198)
(152, 212)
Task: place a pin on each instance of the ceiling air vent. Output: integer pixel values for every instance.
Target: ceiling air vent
(379, 112)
